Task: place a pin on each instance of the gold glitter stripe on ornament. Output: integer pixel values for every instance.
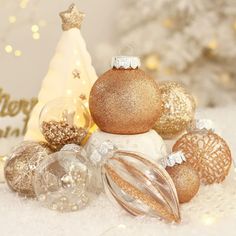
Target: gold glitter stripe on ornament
(134, 192)
(143, 178)
(159, 172)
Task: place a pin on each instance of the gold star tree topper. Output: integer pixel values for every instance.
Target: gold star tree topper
(71, 18)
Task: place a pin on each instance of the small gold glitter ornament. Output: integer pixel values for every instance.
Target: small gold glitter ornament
(125, 100)
(64, 121)
(60, 182)
(72, 18)
(140, 186)
(178, 108)
(21, 165)
(207, 153)
(185, 178)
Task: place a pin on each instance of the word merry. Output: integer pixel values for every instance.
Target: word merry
(12, 108)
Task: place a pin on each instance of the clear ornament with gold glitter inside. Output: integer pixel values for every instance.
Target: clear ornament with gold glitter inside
(64, 121)
(61, 182)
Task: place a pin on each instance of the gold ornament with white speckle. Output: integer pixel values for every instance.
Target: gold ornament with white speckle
(178, 109)
(60, 182)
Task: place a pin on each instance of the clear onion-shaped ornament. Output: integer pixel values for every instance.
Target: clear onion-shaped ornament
(140, 186)
(64, 120)
(60, 182)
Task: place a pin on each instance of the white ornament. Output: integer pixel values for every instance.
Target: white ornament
(150, 143)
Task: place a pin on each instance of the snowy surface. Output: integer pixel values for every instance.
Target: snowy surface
(212, 212)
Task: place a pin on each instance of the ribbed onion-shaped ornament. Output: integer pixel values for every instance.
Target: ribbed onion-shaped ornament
(140, 186)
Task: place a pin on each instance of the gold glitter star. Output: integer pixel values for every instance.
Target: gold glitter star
(83, 96)
(72, 18)
(76, 74)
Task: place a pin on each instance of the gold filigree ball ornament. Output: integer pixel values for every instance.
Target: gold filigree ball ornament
(64, 121)
(185, 177)
(125, 100)
(61, 181)
(21, 165)
(178, 109)
(140, 186)
(206, 151)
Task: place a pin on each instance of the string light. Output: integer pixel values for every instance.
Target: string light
(234, 25)
(36, 36)
(168, 23)
(23, 3)
(17, 53)
(69, 92)
(152, 62)
(34, 28)
(213, 44)
(208, 219)
(77, 63)
(12, 19)
(8, 48)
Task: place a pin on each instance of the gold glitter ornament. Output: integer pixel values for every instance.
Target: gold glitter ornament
(21, 165)
(178, 108)
(60, 182)
(140, 186)
(71, 18)
(207, 153)
(64, 121)
(186, 180)
(125, 100)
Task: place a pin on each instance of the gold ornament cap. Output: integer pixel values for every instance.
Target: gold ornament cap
(125, 62)
(71, 18)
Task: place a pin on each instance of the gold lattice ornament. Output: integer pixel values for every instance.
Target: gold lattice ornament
(207, 152)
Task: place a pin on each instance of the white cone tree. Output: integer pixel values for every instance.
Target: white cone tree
(70, 72)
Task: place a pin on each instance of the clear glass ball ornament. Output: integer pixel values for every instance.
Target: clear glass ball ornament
(60, 183)
(64, 120)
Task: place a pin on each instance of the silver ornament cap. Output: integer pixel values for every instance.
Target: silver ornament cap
(125, 62)
(173, 159)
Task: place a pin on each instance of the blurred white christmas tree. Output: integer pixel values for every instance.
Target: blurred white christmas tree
(191, 41)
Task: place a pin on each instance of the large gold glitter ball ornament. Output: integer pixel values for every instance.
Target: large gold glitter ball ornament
(21, 165)
(207, 153)
(186, 180)
(64, 120)
(125, 100)
(60, 182)
(140, 186)
(178, 108)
